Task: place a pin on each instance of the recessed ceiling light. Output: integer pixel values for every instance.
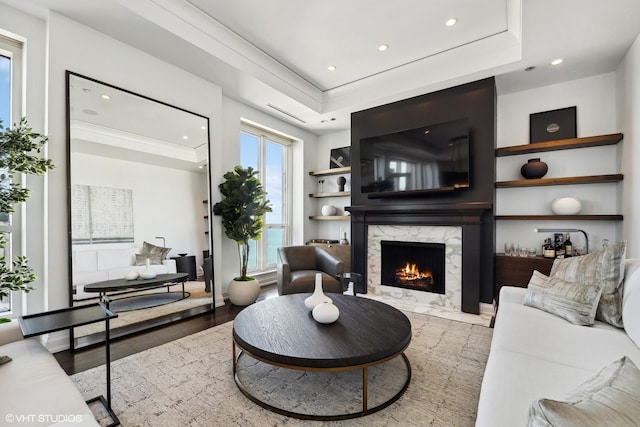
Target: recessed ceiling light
(185, 137)
(331, 68)
(556, 61)
(203, 127)
(90, 112)
(451, 22)
(105, 96)
(85, 90)
(383, 47)
(530, 68)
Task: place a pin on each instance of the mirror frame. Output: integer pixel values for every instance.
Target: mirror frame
(151, 323)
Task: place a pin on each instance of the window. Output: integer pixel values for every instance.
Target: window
(268, 153)
(10, 112)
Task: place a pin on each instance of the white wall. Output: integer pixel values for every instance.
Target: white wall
(166, 202)
(628, 91)
(329, 229)
(595, 99)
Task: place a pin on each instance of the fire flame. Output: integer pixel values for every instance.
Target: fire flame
(411, 272)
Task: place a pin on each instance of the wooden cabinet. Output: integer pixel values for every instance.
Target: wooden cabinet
(517, 271)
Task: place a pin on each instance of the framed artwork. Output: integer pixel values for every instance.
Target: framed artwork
(553, 125)
(340, 157)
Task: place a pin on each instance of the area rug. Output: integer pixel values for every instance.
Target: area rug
(189, 382)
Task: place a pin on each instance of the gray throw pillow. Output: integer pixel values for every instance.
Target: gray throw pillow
(141, 259)
(611, 398)
(605, 268)
(572, 301)
(149, 249)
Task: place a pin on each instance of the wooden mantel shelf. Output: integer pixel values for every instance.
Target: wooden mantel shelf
(563, 144)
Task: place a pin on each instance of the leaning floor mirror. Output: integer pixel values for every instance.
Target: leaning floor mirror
(139, 196)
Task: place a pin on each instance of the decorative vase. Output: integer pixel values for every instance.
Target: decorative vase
(341, 182)
(148, 273)
(318, 296)
(534, 169)
(325, 312)
(328, 210)
(132, 275)
(243, 292)
(566, 206)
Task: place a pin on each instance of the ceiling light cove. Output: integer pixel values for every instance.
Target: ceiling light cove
(451, 22)
(331, 68)
(556, 61)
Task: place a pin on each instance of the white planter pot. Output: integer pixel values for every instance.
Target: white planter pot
(243, 293)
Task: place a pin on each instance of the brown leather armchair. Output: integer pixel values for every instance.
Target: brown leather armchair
(298, 265)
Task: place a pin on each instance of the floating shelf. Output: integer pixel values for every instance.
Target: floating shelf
(334, 171)
(560, 217)
(331, 218)
(562, 144)
(592, 179)
(333, 194)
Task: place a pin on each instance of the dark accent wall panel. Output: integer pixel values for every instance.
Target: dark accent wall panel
(475, 101)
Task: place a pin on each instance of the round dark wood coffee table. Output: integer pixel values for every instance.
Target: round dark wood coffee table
(281, 331)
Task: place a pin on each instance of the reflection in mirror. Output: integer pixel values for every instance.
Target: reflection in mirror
(138, 194)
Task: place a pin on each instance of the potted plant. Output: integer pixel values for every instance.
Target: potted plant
(242, 209)
(19, 154)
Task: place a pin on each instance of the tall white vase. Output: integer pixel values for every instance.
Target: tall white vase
(148, 273)
(318, 295)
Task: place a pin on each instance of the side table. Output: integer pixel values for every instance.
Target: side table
(67, 318)
(187, 264)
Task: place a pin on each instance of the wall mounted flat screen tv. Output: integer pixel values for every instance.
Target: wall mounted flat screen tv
(427, 159)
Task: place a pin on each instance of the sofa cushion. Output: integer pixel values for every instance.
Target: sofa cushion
(85, 261)
(612, 397)
(141, 259)
(149, 249)
(574, 302)
(113, 258)
(604, 268)
(40, 388)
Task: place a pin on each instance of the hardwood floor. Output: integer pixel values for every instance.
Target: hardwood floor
(87, 358)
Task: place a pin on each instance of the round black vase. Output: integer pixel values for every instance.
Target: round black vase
(341, 182)
(534, 169)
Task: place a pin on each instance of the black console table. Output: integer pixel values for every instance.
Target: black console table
(67, 318)
(187, 264)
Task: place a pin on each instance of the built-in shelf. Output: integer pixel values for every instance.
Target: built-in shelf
(592, 179)
(563, 144)
(331, 218)
(333, 171)
(561, 217)
(332, 194)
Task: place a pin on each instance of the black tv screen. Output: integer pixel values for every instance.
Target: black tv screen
(426, 159)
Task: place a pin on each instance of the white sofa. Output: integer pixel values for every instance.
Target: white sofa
(37, 390)
(91, 266)
(536, 355)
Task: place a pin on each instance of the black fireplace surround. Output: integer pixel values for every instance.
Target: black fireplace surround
(470, 208)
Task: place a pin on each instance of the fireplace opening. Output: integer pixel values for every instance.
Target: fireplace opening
(414, 265)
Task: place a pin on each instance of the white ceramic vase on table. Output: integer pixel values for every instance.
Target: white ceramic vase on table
(148, 273)
(318, 295)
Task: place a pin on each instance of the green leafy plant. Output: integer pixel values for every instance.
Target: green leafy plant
(19, 154)
(242, 210)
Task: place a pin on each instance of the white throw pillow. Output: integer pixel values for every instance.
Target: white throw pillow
(603, 268)
(574, 302)
(611, 398)
(631, 300)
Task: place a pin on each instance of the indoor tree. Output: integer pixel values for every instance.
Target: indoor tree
(20, 150)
